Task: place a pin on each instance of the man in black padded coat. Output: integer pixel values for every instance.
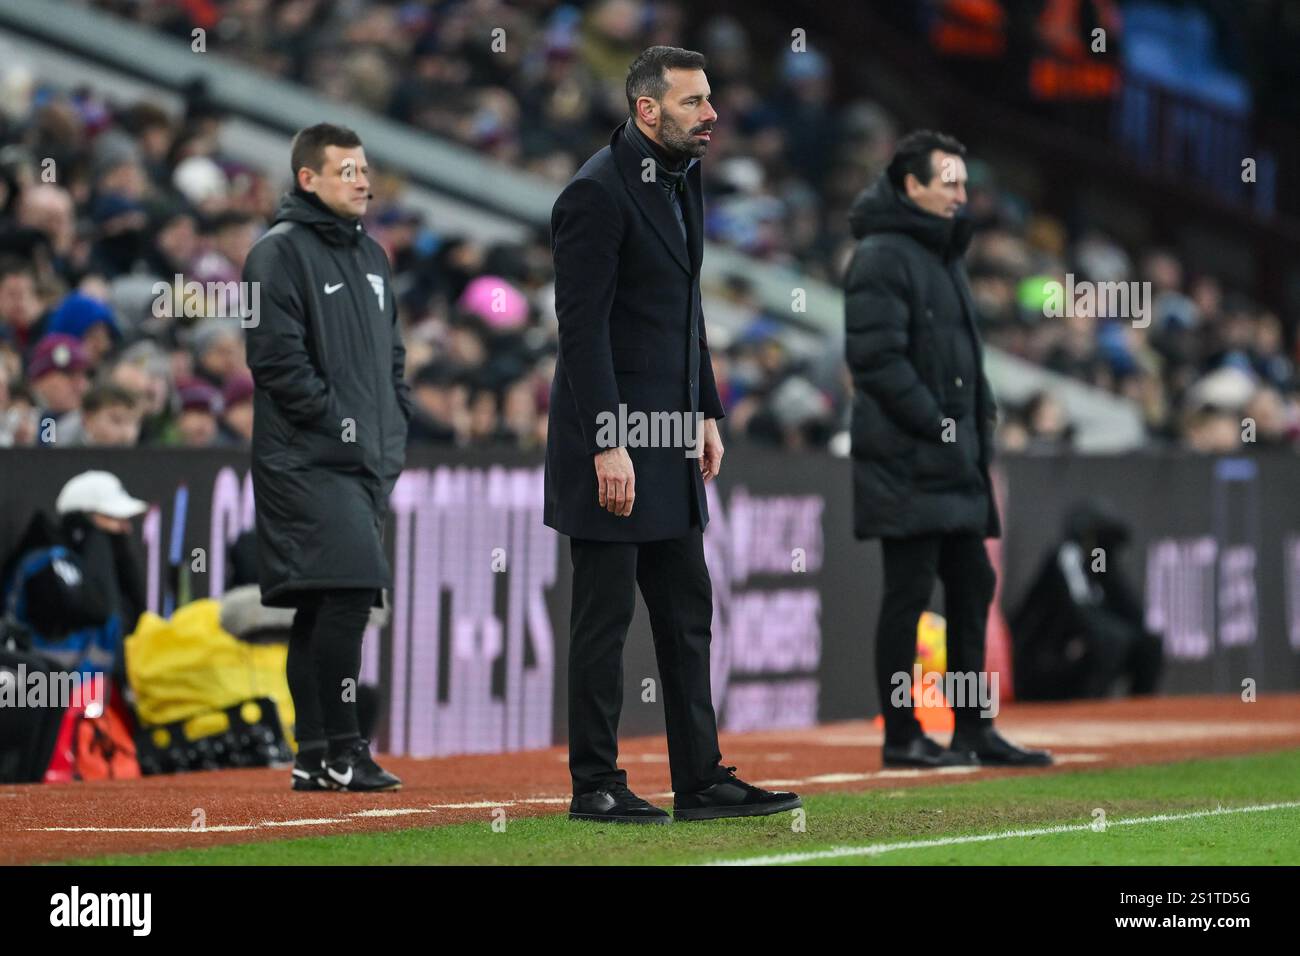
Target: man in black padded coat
(330, 413)
(922, 430)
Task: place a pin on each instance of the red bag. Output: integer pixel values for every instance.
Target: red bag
(104, 749)
(94, 748)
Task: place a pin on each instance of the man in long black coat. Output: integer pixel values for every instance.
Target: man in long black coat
(330, 413)
(627, 236)
(922, 431)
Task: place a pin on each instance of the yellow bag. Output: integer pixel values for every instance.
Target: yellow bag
(187, 666)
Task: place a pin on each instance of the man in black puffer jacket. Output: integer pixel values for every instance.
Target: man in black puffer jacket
(922, 430)
(330, 413)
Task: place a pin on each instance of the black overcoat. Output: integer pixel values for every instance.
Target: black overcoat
(631, 331)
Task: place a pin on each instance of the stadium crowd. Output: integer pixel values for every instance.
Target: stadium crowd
(100, 201)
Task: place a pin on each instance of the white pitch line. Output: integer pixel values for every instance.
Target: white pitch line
(825, 778)
(322, 821)
(906, 773)
(837, 778)
(301, 823)
(876, 849)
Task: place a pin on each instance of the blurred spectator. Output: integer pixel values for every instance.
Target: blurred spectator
(1273, 425)
(1047, 425)
(1213, 431)
(200, 412)
(89, 320)
(49, 210)
(56, 375)
(237, 409)
(1080, 631)
(218, 350)
(142, 370)
(433, 390)
(20, 306)
(228, 236)
(109, 417)
(17, 414)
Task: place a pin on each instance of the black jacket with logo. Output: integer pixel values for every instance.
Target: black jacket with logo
(917, 364)
(331, 404)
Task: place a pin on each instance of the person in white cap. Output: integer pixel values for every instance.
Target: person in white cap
(101, 496)
(95, 513)
(79, 620)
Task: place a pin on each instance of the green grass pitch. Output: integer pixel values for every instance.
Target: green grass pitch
(845, 822)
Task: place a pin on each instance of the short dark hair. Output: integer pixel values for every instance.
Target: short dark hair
(225, 219)
(645, 77)
(309, 144)
(912, 155)
(13, 266)
(106, 395)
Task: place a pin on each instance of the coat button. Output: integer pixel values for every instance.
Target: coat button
(957, 381)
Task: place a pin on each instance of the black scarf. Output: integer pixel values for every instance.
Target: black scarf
(670, 172)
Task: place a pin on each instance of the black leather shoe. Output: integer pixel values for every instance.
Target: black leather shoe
(615, 804)
(924, 752)
(994, 750)
(732, 797)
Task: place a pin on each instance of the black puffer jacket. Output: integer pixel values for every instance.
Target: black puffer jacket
(331, 404)
(918, 378)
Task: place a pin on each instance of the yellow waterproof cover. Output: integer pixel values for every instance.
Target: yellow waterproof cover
(188, 665)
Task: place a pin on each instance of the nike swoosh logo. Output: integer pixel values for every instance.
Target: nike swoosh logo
(331, 289)
(342, 779)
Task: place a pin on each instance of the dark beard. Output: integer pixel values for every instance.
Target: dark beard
(680, 143)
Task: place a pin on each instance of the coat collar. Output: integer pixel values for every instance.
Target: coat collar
(652, 201)
(307, 208)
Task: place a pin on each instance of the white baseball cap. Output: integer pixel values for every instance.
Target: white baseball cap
(98, 492)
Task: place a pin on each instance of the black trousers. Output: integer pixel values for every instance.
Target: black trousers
(324, 652)
(674, 581)
(911, 566)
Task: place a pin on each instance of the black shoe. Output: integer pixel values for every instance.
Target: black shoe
(923, 752)
(994, 750)
(732, 797)
(615, 803)
(356, 771)
(310, 774)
